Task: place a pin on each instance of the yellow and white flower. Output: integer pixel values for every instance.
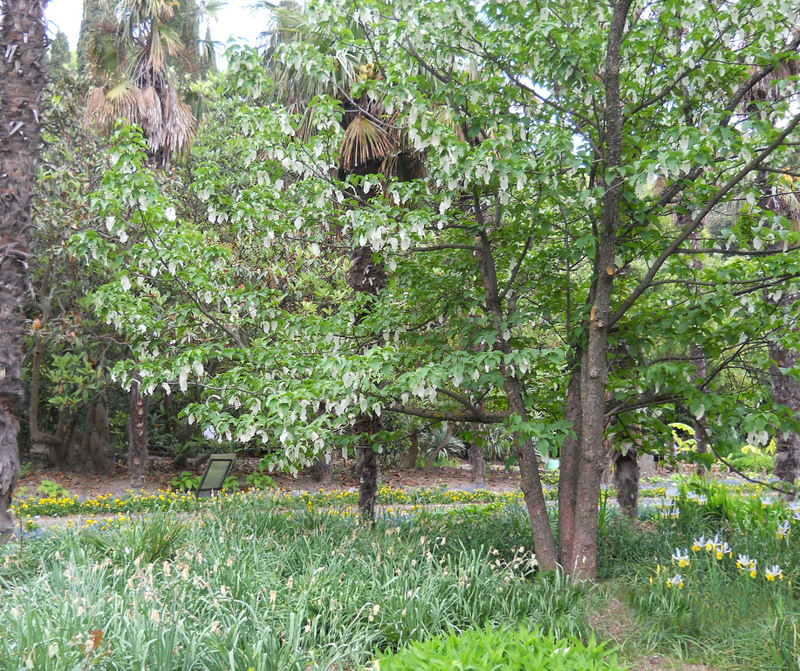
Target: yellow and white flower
(675, 581)
(680, 558)
(774, 573)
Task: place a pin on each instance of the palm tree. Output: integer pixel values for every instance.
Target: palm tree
(22, 79)
(131, 57)
(371, 145)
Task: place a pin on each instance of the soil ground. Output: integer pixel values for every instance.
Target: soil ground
(161, 470)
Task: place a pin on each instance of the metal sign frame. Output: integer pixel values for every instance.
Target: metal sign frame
(217, 470)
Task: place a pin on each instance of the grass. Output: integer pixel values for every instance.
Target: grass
(277, 582)
(249, 584)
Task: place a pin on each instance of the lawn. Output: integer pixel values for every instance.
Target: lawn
(262, 582)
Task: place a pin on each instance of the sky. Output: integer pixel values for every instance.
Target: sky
(235, 20)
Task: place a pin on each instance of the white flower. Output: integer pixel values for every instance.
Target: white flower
(774, 573)
(681, 558)
(784, 529)
(675, 581)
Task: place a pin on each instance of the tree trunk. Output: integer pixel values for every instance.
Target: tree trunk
(321, 471)
(478, 462)
(786, 391)
(594, 367)
(568, 472)
(530, 482)
(22, 79)
(100, 448)
(785, 388)
(137, 430)
(442, 444)
(367, 425)
(699, 430)
(626, 480)
(410, 458)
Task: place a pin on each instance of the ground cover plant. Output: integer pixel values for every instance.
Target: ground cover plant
(251, 580)
(248, 583)
(712, 574)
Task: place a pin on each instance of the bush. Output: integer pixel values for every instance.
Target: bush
(516, 650)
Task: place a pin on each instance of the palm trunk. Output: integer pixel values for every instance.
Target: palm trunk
(22, 80)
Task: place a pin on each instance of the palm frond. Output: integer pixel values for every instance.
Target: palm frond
(364, 140)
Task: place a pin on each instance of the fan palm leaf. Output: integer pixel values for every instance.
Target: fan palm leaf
(364, 140)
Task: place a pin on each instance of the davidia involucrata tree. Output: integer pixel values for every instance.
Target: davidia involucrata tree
(577, 158)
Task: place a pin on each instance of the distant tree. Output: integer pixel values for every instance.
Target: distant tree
(58, 55)
(97, 16)
(137, 58)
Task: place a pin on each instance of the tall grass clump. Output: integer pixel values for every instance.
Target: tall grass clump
(714, 573)
(247, 583)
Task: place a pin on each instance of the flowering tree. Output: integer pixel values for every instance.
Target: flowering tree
(540, 268)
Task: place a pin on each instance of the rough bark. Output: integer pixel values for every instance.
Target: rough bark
(478, 462)
(100, 448)
(530, 482)
(57, 449)
(367, 425)
(699, 431)
(22, 80)
(786, 391)
(626, 480)
(784, 387)
(410, 458)
(137, 433)
(568, 472)
(594, 367)
(442, 444)
(321, 471)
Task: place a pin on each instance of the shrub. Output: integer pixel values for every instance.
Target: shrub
(516, 650)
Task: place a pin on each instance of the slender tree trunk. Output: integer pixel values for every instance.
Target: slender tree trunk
(367, 425)
(478, 462)
(699, 431)
(137, 430)
(785, 388)
(321, 471)
(786, 391)
(531, 484)
(22, 79)
(700, 370)
(442, 444)
(568, 473)
(626, 480)
(594, 367)
(410, 458)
